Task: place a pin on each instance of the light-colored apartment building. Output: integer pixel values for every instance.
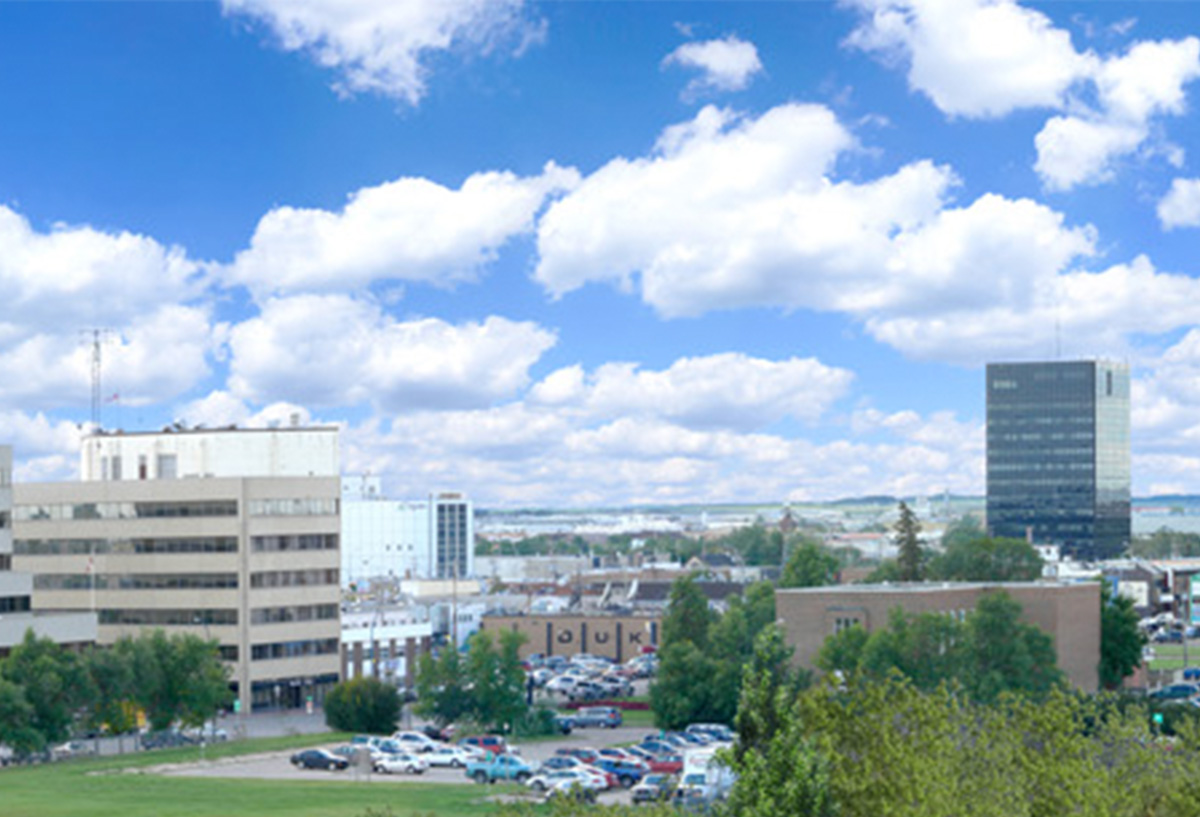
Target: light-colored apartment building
(248, 559)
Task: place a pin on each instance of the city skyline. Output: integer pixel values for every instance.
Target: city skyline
(571, 254)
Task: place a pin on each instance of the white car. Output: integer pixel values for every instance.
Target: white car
(567, 777)
(405, 762)
(454, 756)
(416, 741)
(563, 684)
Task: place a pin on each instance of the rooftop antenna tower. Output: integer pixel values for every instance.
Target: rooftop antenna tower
(96, 338)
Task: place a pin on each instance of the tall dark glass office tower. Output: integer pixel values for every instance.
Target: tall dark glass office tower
(1058, 455)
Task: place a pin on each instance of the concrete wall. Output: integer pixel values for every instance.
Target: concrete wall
(1068, 613)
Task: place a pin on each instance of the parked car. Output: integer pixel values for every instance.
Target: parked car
(559, 762)
(501, 767)
(319, 759)
(581, 752)
(549, 779)
(719, 731)
(1176, 692)
(653, 787)
(352, 751)
(71, 749)
(495, 744)
(444, 734)
(1168, 637)
(165, 739)
(453, 756)
(571, 789)
(628, 772)
(562, 684)
(600, 716)
(415, 741)
(615, 686)
(405, 762)
(587, 691)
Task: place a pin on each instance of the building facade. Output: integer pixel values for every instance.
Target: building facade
(1058, 460)
(16, 589)
(427, 539)
(1068, 613)
(612, 636)
(227, 452)
(384, 641)
(250, 562)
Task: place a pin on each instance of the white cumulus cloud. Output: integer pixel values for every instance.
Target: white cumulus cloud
(410, 229)
(1181, 206)
(729, 390)
(988, 58)
(973, 58)
(727, 64)
(61, 282)
(383, 46)
(334, 350)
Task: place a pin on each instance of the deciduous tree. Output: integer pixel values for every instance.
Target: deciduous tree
(367, 705)
(1121, 640)
(984, 559)
(54, 681)
(809, 565)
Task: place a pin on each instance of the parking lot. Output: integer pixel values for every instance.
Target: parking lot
(276, 765)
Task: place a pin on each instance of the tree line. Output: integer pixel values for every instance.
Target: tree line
(49, 693)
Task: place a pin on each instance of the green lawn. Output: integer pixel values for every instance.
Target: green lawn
(1170, 656)
(98, 788)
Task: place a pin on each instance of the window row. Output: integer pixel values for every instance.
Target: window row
(88, 547)
(14, 604)
(293, 649)
(136, 581)
(4, 520)
(307, 541)
(5, 562)
(169, 618)
(284, 615)
(293, 578)
(123, 510)
(294, 507)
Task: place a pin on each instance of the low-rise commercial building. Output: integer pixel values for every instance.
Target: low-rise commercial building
(617, 637)
(1068, 613)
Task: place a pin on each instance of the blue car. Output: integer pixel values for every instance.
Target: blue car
(627, 772)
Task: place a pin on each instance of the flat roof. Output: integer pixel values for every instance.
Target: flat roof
(925, 587)
(227, 430)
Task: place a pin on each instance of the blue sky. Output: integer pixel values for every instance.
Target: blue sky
(576, 253)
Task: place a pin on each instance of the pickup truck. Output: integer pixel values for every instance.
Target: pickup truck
(501, 767)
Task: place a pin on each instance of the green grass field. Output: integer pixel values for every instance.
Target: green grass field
(1170, 656)
(113, 787)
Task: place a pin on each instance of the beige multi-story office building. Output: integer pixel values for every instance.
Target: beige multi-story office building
(74, 630)
(251, 562)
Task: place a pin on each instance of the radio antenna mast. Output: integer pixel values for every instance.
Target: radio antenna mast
(96, 338)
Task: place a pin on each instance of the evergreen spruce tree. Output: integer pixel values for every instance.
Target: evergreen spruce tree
(911, 557)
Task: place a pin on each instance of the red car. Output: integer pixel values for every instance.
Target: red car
(665, 764)
(494, 744)
(586, 755)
